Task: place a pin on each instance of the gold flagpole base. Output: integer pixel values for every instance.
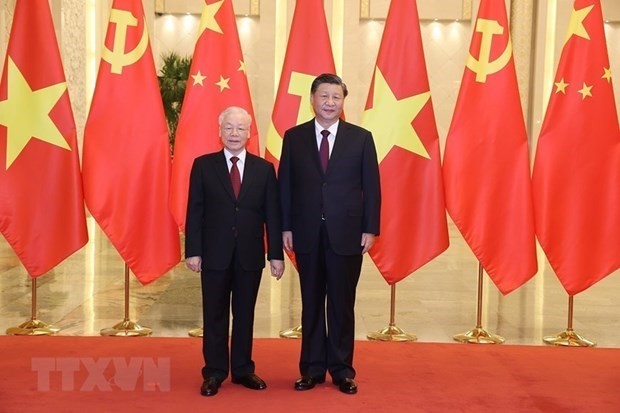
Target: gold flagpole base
(478, 336)
(33, 327)
(391, 333)
(294, 332)
(568, 338)
(196, 332)
(126, 328)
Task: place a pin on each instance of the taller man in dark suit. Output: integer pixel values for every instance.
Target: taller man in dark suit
(233, 195)
(330, 191)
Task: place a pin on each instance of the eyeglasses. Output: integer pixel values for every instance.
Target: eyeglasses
(230, 129)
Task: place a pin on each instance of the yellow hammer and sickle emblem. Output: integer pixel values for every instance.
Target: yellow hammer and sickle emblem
(483, 66)
(117, 57)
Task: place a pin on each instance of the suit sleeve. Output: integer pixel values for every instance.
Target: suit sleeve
(273, 217)
(195, 210)
(284, 180)
(371, 187)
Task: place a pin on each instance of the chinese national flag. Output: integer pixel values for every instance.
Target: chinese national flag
(41, 201)
(292, 105)
(399, 113)
(217, 80)
(126, 164)
(576, 178)
(486, 162)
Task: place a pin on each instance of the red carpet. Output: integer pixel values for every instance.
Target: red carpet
(105, 374)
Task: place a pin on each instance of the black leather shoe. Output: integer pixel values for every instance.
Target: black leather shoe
(210, 386)
(308, 382)
(347, 386)
(251, 381)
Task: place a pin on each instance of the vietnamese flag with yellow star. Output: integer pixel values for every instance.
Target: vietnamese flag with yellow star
(301, 66)
(217, 80)
(399, 113)
(126, 165)
(41, 202)
(486, 162)
(576, 178)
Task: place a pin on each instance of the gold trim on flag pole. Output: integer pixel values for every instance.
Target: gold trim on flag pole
(196, 332)
(33, 327)
(126, 328)
(294, 332)
(569, 338)
(392, 332)
(479, 335)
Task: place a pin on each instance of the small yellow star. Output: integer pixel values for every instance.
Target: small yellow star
(586, 91)
(207, 20)
(198, 78)
(561, 86)
(607, 74)
(26, 113)
(223, 83)
(390, 119)
(241, 67)
(575, 26)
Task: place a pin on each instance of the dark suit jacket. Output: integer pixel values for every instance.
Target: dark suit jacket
(216, 221)
(348, 194)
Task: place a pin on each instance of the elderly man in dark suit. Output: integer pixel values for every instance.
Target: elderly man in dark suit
(330, 191)
(233, 196)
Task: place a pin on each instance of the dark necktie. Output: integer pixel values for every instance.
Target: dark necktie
(324, 150)
(235, 177)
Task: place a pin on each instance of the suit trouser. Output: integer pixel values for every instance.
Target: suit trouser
(217, 289)
(325, 274)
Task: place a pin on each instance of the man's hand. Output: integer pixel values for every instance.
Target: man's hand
(368, 240)
(287, 240)
(277, 268)
(194, 263)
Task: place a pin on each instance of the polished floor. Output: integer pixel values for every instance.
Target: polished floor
(86, 294)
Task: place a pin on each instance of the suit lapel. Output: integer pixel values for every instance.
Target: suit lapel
(221, 170)
(310, 139)
(247, 180)
(339, 143)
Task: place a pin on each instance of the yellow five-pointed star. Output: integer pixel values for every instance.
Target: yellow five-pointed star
(207, 20)
(607, 74)
(561, 86)
(241, 66)
(585, 91)
(223, 83)
(198, 78)
(25, 113)
(575, 26)
(390, 119)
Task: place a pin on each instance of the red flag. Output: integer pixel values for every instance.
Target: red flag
(126, 163)
(486, 162)
(399, 113)
(576, 178)
(292, 105)
(41, 201)
(217, 80)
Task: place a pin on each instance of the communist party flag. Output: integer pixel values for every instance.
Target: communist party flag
(576, 177)
(126, 165)
(486, 161)
(292, 105)
(217, 80)
(399, 113)
(41, 202)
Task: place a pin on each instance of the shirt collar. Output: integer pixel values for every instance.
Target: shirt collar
(229, 155)
(332, 129)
